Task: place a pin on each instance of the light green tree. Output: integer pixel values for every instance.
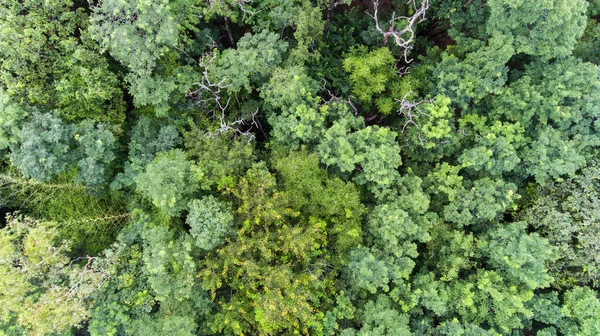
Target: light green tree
(168, 181)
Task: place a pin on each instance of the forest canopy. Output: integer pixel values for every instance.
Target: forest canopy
(300, 167)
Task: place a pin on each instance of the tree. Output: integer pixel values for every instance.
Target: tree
(576, 314)
(143, 36)
(291, 98)
(11, 120)
(548, 29)
(373, 149)
(47, 147)
(31, 34)
(552, 156)
(255, 58)
(496, 148)
(561, 92)
(380, 317)
(95, 151)
(48, 59)
(275, 267)
(168, 181)
(484, 201)
(146, 139)
(378, 155)
(370, 72)
(87, 88)
(44, 147)
(565, 213)
(473, 70)
(210, 222)
(220, 159)
(367, 272)
(521, 257)
(154, 290)
(316, 194)
(135, 33)
(42, 290)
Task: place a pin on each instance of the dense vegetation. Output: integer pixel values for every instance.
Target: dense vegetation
(300, 167)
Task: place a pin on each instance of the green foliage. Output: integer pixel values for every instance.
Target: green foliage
(370, 72)
(367, 272)
(496, 149)
(588, 44)
(520, 256)
(473, 72)
(291, 94)
(153, 290)
(263, 266)
(378, 154)
(220, 160)
(255, 57)
(577, 315)
(373, 149)
(274, 169)
(308, 188)
(96, 145)
(463, 17)
(582, 306)
(88, 219)
(146, 139)
(11, 118)
(392, 229)
(42, 289)
(551, 156)
(545, 29)
(379, 317)
(450, 252)
(142, 36)
(31, 34)
(560, 93)
(44, 147)
(484, 201)
(47, 147)
(87, 88)
(48, 58)
(169, 262)
(210, 222)
(168, 181)
(135, 33)
(566, 214)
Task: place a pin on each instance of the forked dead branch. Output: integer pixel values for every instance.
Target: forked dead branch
(403, 37)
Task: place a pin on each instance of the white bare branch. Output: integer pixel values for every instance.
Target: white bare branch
(209, 96)
(404, 38)
(411, 111)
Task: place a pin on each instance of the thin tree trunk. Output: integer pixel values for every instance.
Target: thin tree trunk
(233, 44)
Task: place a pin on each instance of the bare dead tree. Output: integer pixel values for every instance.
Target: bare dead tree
(411, 111)
(229, 33)
(209, 96)
(209, 92)
(234, 126)
(404, 38)
(334, 98)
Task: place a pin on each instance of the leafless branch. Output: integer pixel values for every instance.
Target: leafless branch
(411, 111)
(210, 97)
(333, 97)
(404, 38)
(234, 126)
